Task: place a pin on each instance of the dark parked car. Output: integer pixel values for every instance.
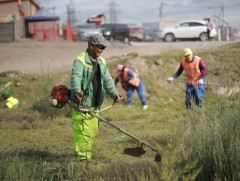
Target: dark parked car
(114, 31)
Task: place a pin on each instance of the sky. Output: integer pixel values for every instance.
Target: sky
(148, 11)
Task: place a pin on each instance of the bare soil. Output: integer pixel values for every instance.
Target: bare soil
(39, 57)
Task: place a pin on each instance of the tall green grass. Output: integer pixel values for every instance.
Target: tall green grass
(212, 133)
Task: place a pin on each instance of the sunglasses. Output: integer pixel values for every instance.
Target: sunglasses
(101, 47)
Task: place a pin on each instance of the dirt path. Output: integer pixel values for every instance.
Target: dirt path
(38, 57)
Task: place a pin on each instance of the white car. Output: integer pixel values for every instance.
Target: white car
(192, 29)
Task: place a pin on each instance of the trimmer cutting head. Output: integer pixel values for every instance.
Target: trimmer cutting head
(158, 157)
(136, 151)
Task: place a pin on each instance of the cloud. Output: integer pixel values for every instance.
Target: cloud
(140, 11)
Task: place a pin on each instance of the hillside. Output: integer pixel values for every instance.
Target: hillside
(200, 144)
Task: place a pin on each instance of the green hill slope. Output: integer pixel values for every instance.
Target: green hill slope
(200, 144)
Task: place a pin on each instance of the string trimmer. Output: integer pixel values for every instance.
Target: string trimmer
(136, 151)
(60, 96)
(205, 83)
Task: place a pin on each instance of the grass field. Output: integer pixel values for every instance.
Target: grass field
(200, 144)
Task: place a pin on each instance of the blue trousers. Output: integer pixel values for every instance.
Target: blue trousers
(196, 93)
(140, 91)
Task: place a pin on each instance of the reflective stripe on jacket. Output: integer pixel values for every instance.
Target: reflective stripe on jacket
(192, 69)
(124, 77)
(11, 102)
(81, 73)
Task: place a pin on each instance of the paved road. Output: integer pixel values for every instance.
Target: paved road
(38, 57)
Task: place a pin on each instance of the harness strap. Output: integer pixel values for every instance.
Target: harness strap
(86, 91)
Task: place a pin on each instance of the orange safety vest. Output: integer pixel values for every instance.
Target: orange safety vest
(124, 77)
(192, 69)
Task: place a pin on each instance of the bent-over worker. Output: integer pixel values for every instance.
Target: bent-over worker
(130, 81)
(9, 101)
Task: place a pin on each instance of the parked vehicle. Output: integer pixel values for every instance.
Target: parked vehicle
(115, 31)
(193, 29)
(137, 34)
(84, 31)
(152, 32)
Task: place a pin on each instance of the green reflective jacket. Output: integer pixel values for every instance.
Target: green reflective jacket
(11, 102)
(81, 73)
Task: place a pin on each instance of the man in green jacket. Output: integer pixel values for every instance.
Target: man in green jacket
(9, 101)
(90, 78)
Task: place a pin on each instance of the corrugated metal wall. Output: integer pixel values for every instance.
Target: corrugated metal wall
(11, 7)
(7, 32)
(9, 28)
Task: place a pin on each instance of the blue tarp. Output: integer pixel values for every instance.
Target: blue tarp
(42, 15)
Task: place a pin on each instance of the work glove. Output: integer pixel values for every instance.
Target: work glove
(170, 79)
(118, 99)
(78, 97)
(201, 81)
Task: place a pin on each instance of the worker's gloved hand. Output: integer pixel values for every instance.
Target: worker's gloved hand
(201, 81)
(118, 99)
(170, 79)
(78, 97)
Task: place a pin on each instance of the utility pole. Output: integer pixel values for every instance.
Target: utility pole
(47, 4)
(222, 11)
(71, 14)
(113, 12)
(160, 15)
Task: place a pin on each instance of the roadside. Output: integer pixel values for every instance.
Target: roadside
(37, 57)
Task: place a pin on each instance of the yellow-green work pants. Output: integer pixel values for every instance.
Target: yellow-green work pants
(85, 128)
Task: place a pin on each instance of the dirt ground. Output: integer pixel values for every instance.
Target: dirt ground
(37, 57)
